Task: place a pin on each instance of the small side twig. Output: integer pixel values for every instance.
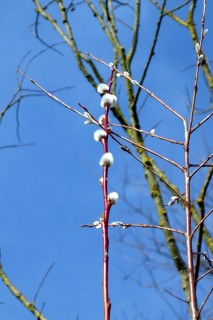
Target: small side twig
(205, 274)
(202, 122)
(174, 295)
(42, 282)
(52, 96)
(201, 165)
(204, 302)
(148, 133)
(125, 225)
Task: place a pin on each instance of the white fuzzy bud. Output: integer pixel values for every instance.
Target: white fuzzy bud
(106, 159)
(89, 119)
(197, 47)
(205, 32)
(126, 74)
(101, 119)
(117, 223)
(99, 134)
(118, 75)
(109, 100)
(111, 65)
(134, 82)
(102, 88)
(152, 131)
(113, 197)
(173, 200)
(95, 223)
(101, 180)
(200, 59)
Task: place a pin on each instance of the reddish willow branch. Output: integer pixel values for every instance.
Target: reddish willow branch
(107, 207)
(95, 122)
(107, 304)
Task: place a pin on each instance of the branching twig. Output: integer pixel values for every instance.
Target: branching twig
(150, 93)
(126, 149)
(170, 12)
(148, 150)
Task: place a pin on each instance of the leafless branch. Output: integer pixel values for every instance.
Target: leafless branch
(125, 225)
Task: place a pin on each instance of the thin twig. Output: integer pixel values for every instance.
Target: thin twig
(205, 274)
(173, 295)
(126, 149)
(171, 14)
(204, 302)
(177, 8)
(204, 254)
(151, 53)
(42, 282)
(51, 95)
(201, 122)
(9, 146)
(201, 165)
(36, 34)
(147, 133)
(125, 225)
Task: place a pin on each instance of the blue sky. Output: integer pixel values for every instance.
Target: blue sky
(48, 190)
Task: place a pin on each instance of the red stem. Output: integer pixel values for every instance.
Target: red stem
(107, 205)
(111, 78)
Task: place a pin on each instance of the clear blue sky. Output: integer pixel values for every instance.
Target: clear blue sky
(48, 190)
